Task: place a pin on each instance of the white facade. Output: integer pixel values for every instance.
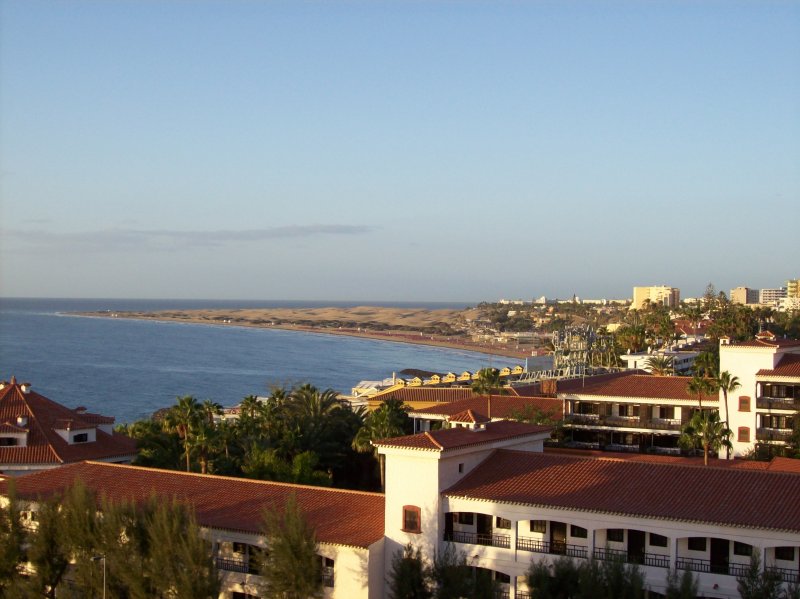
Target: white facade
(660, 294)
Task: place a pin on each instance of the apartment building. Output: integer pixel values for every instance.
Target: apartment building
(504, 502)
(764, 410)
(793, 288)
(771, 297)
(490, 490)
(660, 294)
(744, 295)
(630, 412)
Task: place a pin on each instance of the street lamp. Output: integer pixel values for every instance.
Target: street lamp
(97, 558)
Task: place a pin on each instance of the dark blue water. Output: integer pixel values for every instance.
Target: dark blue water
(130, 368)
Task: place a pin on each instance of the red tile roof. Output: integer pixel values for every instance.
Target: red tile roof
(789, 365)
(503, 406)
(468, 416)
(44, 445)
(456, 438)
(779, 464)
(341, 517)
(658, 458)
(642, 387)
(776, 343)
(721, 496)
(437, 394)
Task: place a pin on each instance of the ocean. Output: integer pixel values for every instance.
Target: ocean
(130, 368)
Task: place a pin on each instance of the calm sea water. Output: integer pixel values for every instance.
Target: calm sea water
(130, 368)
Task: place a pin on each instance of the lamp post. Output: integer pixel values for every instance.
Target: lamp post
(97, 558)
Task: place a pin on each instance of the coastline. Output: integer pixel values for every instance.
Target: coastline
(395, 336)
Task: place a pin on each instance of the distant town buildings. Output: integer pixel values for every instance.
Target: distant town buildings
(744, 295)
(660, 294)
(771, 297)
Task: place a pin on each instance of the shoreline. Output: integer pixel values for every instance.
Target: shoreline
(408, 337)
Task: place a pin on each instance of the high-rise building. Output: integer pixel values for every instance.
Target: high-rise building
(771, 297)
(793, 288)
(660, 294)
(744, 295)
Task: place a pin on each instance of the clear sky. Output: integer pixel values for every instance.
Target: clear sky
(440, 151)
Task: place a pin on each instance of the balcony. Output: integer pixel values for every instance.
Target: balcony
(704, 565)
(643, 559)
(774, 434)
(778, 403)
(662, 424)
(232, 564)
(327, 576)
(554, 548)
(479, 538)
(786, 574)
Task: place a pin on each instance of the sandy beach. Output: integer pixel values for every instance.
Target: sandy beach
(403, 325)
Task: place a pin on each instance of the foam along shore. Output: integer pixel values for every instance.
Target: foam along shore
(403, 325)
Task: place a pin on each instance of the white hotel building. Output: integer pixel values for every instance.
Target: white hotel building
(491, 490)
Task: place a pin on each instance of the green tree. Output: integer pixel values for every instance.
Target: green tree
(727, 383)
(700, 385)
(707, 431)
(290, 565)
(682, 586)
(389, 420)
(660, 365)
(557, 581)
(12, 539)
(488, 382)
(758, 584)
(407, 577)
(48, 552)
(182, 419)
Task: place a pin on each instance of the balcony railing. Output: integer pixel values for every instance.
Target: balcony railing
(773, 434)
(644, 559)
(327, 576)
(232, 564)
(663, 424)
(479, 538)
(786, 574)
(778, 403)
(704, 565)
(555, 547)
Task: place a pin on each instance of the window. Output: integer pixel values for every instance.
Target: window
(327, 571)
(744, 403)
(502, 523)
(538, 526)
(411, 519)
(615, 535)
(744, 434)
(667, 412)
(578, 532)
(8, 441)
(461, 468)
(742, 549)
(657, 540)
(784, 553)
(466, 518)
(697, 543)
(80, 438)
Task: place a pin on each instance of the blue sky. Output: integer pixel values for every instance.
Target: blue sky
(437, 151)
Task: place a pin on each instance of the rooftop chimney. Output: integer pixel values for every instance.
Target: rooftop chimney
(22, 420)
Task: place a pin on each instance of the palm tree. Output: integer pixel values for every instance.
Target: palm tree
(182, 419)
(389, 420)
(488, 382)
(727, 383)
(707, 430)
(210, 409)
(700, 385)
(660, 365)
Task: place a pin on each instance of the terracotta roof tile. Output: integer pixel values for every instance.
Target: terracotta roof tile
(7, 427)
(789, 365)
(503, 406)
(776, 343)
(341, 517)
(468, 416)
(44, 445)
(437, 394)
(721, 496)
(642, 386)
(456, 438)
